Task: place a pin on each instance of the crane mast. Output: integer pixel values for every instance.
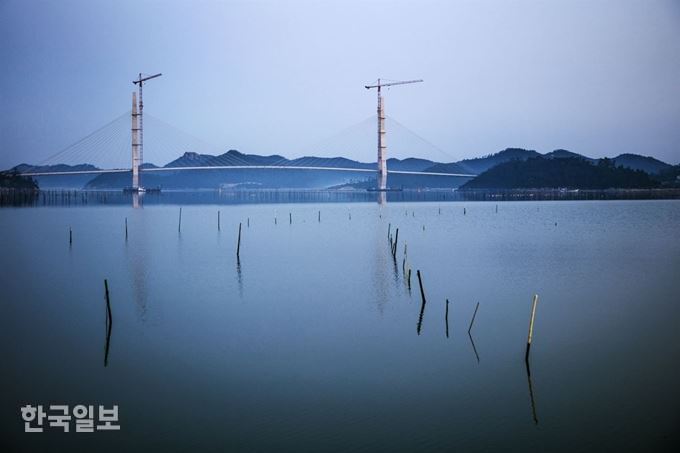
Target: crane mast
(382, 145)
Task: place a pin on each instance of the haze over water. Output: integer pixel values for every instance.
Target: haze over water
(309, 342)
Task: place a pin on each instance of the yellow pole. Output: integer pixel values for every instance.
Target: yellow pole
(531, 326)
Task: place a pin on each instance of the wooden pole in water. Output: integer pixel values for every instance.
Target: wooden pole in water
(290, 218)
(389, 230)
(531, 327)
(126, 233)
(422, 306)
(109, 323)
(238, 244)
(394, 247)
(108, 303)
(446, 318)
(473, 317)
(218, 220)
(179, 224)
(248, 222)
(319, 216)
(70, 236)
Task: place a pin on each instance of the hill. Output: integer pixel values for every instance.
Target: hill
(571, 173)
(647, 164)
(13, 180)
(481, 164)
(293, 178)
(263, 178)
(566, 154)
(58, 181)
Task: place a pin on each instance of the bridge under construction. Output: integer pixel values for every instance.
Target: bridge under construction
(136, 140)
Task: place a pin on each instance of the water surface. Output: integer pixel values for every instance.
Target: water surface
(309, 342)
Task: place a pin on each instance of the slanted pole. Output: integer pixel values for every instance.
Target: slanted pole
(531, 327)
(238, 244)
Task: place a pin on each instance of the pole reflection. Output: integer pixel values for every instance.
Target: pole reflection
(531, 393)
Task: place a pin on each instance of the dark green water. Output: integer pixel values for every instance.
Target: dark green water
(310, 342)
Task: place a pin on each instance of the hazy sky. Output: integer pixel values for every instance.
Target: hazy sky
(597, 77)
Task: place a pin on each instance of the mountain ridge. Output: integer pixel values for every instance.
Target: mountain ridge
(233, 157)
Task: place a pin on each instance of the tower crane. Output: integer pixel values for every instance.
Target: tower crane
(382, 146)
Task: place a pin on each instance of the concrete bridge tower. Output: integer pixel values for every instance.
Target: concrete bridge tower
(136, 159)
(382, 145)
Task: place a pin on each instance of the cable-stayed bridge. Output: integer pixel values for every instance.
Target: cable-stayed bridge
(107, 150)
(119, 147)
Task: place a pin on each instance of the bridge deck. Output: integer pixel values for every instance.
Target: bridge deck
(241, 167)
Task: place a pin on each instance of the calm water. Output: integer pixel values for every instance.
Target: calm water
(310, 343)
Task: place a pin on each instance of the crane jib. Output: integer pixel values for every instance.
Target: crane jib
(378, 85)
(140, 80)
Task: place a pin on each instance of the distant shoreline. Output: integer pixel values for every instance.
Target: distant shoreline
(22, 197)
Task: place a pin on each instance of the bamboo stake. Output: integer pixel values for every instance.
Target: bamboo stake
(238, 245)
(70, 236)
(531, 327)
(473, 317)
(109, 323)
(446, 318)
(126, 231)
(179, 224)
(218, 220)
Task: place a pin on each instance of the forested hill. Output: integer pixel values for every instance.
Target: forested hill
(14, 180)
(572, 173)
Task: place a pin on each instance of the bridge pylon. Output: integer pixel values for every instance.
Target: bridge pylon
(138, 126)
(136, 158)
(382, 146)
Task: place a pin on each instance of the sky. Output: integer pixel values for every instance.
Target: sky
(599, 78)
